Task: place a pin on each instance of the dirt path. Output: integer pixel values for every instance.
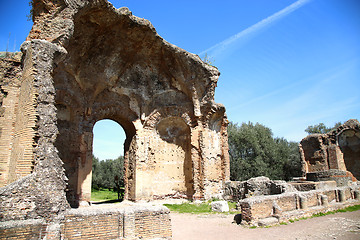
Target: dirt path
(343, 226)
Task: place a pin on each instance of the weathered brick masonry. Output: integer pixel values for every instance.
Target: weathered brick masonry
(10, 74)
(139, 222)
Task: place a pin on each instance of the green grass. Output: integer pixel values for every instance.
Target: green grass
(350, 209)
(197, 208)
(190, 207)
(347, 209)
(232, 205)
(103, 195)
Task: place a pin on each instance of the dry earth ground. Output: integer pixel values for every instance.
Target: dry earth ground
(343, 226)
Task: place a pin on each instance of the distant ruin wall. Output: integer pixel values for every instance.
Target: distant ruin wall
(336, 151)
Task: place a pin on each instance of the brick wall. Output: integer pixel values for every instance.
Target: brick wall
(10, 74)
(130, 222)
(29, 229)
(97, 226)
(22, 150)
(150, 224)
(7, 122)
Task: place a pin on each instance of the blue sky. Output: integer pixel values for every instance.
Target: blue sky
(286, 64)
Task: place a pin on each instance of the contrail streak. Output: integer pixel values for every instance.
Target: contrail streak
(257, 26)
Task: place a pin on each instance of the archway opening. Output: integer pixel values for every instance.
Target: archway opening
(108, 161)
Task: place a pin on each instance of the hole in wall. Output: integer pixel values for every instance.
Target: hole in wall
(108, 162)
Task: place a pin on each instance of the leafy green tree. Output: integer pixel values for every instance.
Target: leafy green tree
(254, 152)
(96, 174)
(321, 128)
(108, 173)
(288, 152)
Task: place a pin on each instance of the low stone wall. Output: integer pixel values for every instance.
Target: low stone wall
(309, 185)
(341, 177)
(134, 222)
(258, 186)
(285, 206)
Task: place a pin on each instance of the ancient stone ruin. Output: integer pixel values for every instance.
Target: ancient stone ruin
(85, 61)
(334, 155)
(331, 165)
(265, 202)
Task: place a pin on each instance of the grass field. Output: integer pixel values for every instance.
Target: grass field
(188, 207)
(103, 195)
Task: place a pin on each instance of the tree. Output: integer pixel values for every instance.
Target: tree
(108, 173)
(321, 128)
(254, 152)
(289, 154)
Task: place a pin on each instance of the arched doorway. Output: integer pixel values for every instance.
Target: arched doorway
(108, 161)
(75, 146)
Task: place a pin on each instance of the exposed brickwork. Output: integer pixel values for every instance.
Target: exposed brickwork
(10, 74)
(22, 230)
(100, 226)
(40, 194)
(22, 160)
(152, 225)
(132, 222)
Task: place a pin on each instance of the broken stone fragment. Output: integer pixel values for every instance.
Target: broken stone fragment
(220, 206)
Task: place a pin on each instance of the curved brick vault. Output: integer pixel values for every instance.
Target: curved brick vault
(85, 61)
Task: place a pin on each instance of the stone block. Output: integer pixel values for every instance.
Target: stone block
(287, 201)
(268, 221)
(220, 206)
(324, 200)
(311, 198)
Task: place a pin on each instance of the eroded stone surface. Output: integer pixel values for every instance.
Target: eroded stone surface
(220, 206)
(258, 186)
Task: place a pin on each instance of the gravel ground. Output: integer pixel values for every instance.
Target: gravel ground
(340, 226)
